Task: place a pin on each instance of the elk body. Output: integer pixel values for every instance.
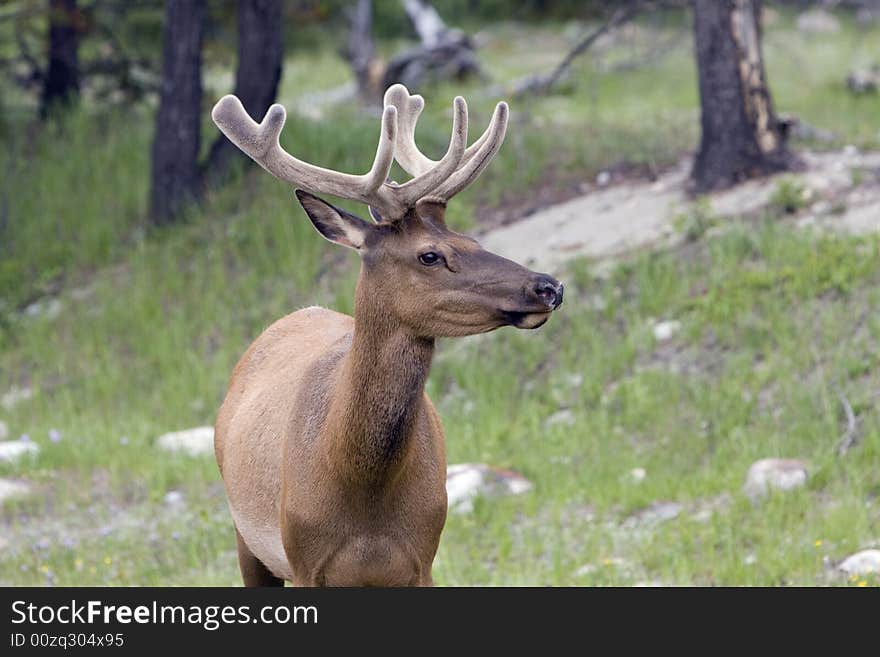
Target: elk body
(332, 455)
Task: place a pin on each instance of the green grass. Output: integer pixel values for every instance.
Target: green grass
(774, 321)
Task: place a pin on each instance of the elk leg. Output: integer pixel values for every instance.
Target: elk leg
(253, 572)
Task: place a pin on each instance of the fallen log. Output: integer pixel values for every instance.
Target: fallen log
(443, 52)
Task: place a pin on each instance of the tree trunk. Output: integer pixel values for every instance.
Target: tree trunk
(61, 84)
(260, 56)
(175, 172)
(741, 136)
(359, 49)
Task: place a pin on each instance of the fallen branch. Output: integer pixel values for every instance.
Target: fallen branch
(652, 56)
(444, 52)
(850, 437)
(542, 84)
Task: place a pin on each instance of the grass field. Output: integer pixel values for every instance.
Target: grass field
(775, 322)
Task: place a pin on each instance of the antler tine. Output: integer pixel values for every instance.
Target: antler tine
(433, 175)
(409, 108)
(481, 154)
(475, 158)
(261, 142)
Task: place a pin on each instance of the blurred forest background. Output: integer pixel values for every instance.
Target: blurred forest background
(704, 177)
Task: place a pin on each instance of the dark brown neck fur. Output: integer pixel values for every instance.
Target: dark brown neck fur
(381, 383)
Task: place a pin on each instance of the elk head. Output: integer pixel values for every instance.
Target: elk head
(432, 280)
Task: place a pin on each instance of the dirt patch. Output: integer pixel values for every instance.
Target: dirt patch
(555, 189)
(838, 190)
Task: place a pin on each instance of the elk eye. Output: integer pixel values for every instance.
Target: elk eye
(429, 258)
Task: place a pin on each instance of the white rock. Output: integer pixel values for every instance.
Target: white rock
(564, 416)
(603, 178)
(817, 21)
(638, 475)
(774, 474)
(13, 450)
(4, 430)
(865, 562)
(665, 330)
(174, 498)
(654, 514)
(586, 569)
(15, 396)
(10, 488)
(194, 442)
(51, 308)
(467, 481)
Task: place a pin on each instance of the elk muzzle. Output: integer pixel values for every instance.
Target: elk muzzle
(543, 294)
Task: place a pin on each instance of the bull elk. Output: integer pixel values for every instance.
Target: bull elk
(332, 455)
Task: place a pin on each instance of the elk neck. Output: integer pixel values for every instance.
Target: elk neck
(381, 383)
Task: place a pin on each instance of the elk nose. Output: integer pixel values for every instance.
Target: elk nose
(548, 291)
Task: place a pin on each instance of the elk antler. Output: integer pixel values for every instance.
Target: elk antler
(476, 157)
(261, 142)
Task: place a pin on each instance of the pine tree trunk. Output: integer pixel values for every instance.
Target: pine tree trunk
(61, 84)
(175, 172)
(741, 137)
(260, 57)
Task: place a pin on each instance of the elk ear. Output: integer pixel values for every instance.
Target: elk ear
(432, 208)
(335, 224)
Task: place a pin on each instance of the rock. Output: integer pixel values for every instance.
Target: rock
(564, 416)
(603, 179)
(774, 474)
(803, 130)
(50, 308)
(13, 450)
(866, 562)
(864, 81)
(4, 430)
(467, 481)
(174, 498)
(665, 330)
(654, 514)
(818, 21)
(194, 442)
(586, 569)
(10, 488)
(637, 475)
(15, 396)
